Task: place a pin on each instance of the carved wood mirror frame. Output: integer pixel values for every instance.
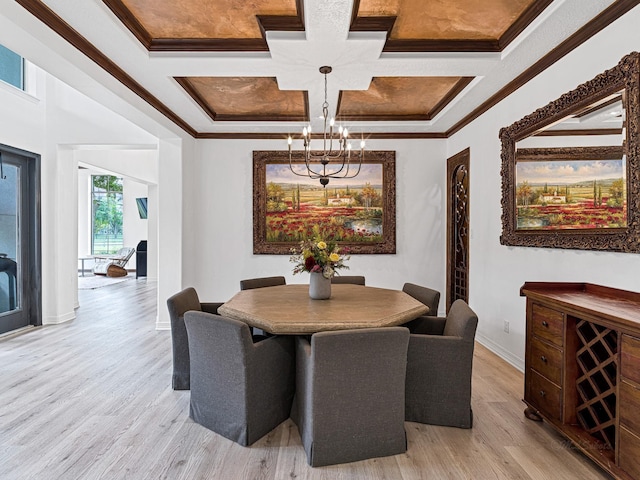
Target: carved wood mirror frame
(623, 77)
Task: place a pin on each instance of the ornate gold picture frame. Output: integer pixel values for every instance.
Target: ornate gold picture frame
(359, 213)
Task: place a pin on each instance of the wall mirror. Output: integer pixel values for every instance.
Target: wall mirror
(570, 170)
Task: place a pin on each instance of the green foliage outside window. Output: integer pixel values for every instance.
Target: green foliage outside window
(107, 214)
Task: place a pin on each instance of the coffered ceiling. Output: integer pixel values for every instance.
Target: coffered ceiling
(250, 68)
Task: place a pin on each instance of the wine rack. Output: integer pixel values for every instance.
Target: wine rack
(597, 361)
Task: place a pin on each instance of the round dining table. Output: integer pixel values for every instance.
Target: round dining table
(288, 309)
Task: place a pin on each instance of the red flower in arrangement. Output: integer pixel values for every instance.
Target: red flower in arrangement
(309, 263)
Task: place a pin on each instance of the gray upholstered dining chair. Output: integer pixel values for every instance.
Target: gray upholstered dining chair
(428, 296)
(178, 304)
(261, 282)
(350, 394)
(240, 389)
(353, 279)
(439, 366)
(250, 283)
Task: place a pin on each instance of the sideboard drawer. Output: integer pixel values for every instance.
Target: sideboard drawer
(629, 406)
(630, 358)
(629, 453)
(546, 360)
(545, 396)
(547, 324)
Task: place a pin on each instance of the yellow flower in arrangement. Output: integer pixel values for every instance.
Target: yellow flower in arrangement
(318, 256)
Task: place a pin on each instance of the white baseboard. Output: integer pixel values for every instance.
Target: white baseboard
(59, 319)
(162, 325)
(501, 352)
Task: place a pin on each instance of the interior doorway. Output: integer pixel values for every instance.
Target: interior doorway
(20, 268)
(114, 187)
(458, 227)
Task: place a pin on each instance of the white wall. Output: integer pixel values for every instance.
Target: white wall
(84, 215)
(134, 228)
(218, 219)
(497, 272)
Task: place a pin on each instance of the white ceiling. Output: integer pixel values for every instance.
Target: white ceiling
(294, 59)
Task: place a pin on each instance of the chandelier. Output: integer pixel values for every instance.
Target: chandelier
(330, 162)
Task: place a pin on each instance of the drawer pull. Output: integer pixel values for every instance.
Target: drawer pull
(545, 323)
(543, 393)
(543, 358)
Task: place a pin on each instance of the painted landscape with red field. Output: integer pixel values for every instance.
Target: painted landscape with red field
(350, 212)
(555, 195)
(580, 215)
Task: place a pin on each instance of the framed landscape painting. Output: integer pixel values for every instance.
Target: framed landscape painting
(578, 188)
(358, 213)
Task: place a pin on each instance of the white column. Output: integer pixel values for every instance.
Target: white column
(60, 236)
(169, 211)
(152, 232)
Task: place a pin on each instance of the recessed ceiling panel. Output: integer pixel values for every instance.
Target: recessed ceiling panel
(246, 98)
(400, 98)
(211, 19)
(447, 19)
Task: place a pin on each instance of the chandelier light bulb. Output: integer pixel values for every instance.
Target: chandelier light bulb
(332, 121)
(361, 144)
(345, 133)
(304, 132)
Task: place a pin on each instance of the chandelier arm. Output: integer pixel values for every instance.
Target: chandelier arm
(346, 158)
(355, 174)
(310, 172)
(336, 155)
(300, 174)
(321, 156)
(337, 174)
(331, 154)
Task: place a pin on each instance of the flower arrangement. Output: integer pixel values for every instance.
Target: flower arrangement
(318, 256)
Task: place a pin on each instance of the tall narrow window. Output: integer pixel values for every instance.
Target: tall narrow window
(106, 199)
(11, 68)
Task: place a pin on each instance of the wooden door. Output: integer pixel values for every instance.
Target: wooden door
(458, 227)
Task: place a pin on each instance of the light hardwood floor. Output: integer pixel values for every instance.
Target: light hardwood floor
(92, 399)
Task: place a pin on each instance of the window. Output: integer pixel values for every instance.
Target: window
(11, 68)
(106, 200)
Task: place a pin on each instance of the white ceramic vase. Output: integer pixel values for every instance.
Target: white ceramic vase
(319, 287)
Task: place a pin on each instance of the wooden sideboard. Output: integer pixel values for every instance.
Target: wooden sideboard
(582, 369)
